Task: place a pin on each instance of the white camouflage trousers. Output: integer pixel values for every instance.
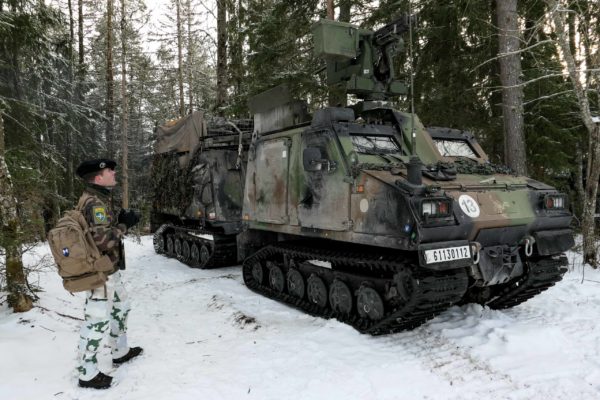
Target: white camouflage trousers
(104, 309)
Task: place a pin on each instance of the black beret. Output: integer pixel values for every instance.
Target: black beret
(89, 166)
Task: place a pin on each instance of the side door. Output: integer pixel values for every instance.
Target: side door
(325, 199)
(267, 182)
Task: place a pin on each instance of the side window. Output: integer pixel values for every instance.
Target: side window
(317, 153)
(366, 144)
(455, 148)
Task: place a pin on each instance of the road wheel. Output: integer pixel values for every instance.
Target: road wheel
(316, 291)
(177, 245)
(204, 256)
(340, 297)
(194, 255)
(185, 251)
(257, 273)
(276, 278)
(295, 283)
(369, 303)
(170, 245)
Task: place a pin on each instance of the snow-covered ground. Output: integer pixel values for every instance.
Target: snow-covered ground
(206, 336)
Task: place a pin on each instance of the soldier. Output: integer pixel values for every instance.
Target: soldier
(106, 307)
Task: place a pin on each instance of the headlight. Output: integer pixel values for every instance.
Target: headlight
(436, 207)
(555, 202)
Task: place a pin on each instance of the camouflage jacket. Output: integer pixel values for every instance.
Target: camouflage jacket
(107, 233)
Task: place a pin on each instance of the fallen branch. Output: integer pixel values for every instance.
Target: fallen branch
(61, 314)
(48, 329)
(591, 280)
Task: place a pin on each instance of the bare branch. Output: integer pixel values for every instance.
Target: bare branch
(509, 53)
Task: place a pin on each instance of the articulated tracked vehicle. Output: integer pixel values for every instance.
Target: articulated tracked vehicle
(365, 215)
(361, 213)
(198, 177)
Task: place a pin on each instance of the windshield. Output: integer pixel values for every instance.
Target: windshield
(375, 144)
(454, 148)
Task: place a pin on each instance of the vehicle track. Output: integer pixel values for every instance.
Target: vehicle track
(406, 296)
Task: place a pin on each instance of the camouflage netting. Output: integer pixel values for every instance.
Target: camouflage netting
(441, 171)
(470, 167)
(170, 184)
(178, 153)
(218, 126)
(181, 136)
(447, 171)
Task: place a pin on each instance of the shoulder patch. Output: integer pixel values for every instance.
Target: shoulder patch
(100, 215)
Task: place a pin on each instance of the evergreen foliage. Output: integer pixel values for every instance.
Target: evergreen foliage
(53, 106)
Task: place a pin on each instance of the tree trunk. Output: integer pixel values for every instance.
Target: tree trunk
(345, 7)
(590, 250)
(80, 56)
(180, 59)
(512, 92)
(69, 132)
(16, 281)
(337, 95)
(579, 189)
(221, 55)
(109, 82)
(237, 50)
(330, 10)
(190, 57)
(124, 109)
(80, 35)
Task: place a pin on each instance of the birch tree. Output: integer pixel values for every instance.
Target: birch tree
(582, 88)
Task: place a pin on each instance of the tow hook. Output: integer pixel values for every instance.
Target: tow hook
(528, 242)
(475, 249)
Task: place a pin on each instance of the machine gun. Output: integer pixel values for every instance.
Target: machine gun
(361, 61)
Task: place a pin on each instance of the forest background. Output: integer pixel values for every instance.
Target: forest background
(84, 79)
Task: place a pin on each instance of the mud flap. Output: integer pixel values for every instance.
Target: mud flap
(554, 242)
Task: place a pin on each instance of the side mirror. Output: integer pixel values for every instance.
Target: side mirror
(313, 160)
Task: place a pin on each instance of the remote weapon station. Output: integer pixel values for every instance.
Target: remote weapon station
(362, 214)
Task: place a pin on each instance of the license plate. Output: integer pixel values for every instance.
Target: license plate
(447, 254)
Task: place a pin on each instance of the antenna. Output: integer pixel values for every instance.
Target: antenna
(413, 135)
(413, 170)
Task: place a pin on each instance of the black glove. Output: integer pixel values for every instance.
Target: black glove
(128, 217)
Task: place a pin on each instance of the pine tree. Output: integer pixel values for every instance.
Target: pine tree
(512, 91)
(110, 112)
(33, 97)
(222, 83)
(124, 109)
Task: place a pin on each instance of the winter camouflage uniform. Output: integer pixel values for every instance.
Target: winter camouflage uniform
(106, 307)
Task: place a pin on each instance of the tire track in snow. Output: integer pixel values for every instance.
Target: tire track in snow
(476, 378)
(457, 366)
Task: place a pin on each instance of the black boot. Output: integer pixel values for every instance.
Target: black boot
(132, 353)
(100, 381)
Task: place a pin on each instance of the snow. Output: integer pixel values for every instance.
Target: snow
(206, 336)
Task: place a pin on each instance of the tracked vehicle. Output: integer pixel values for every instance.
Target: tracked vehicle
(363, 214)
(198, 175)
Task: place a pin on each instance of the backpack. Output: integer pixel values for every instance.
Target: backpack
(79, 262)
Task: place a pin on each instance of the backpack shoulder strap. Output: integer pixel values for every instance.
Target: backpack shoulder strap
(83, 201)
